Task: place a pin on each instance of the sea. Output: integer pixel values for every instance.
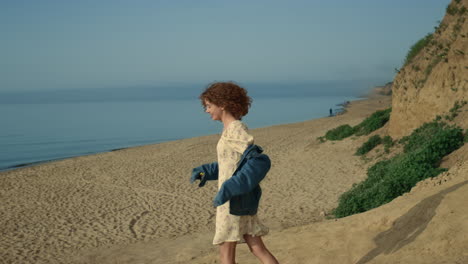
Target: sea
(43, 126)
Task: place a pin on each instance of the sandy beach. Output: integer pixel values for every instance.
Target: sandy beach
(136, 205)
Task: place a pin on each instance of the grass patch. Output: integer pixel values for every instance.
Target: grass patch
(321, 139)
(421, 135)
(433, 63)
(416, 68)
(388, 179)
(369, 145)
(387, 141)
(417, 47)
(370, 124)
(339, 133)
(452, 9)
(462, 10)
(373, 122)
(455, 110)
(430, 67)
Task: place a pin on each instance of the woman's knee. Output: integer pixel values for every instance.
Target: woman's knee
(227, 249)
(256, 245)
(258, 248)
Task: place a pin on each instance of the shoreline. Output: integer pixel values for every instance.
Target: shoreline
(29, 164)
(336, 111)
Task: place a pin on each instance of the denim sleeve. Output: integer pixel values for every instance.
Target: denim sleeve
(244, 180)
(210, 170)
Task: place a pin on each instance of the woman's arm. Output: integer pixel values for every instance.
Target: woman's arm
(205, 172)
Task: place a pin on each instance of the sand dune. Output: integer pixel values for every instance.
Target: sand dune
(136, 205)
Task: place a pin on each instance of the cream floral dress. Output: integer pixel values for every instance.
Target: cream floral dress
(231, 228)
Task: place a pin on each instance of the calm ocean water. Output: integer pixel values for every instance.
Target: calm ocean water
(36, 132)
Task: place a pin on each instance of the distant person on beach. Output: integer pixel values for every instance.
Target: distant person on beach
(228, 102)
(331, 112)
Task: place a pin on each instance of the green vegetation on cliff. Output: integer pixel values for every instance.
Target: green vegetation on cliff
(369, 145)
(339, 133)
(377, 120)
(370, 124)
(388, 179)
(417, 47)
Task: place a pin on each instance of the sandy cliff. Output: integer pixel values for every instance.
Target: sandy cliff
(433, 80)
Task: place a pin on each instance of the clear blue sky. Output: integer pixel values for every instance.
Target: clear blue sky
(68, 44)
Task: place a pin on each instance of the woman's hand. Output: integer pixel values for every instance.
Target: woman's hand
(205, 172)
(198, 175)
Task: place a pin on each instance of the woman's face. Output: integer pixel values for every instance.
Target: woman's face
(215, 111)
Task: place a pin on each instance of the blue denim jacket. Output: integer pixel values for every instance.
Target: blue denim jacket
(242, 189)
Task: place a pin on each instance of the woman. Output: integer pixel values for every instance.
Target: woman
(228, 102)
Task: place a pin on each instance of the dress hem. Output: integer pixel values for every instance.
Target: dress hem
(241, 240)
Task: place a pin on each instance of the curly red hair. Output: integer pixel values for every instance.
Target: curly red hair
(229, 95)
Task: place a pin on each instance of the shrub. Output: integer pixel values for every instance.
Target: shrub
(369, 145)
(370, 124)
(431, 66)
(339, 133)
(391, 178)
(462, 10)
(421, 135)
(386, 181)
(373, 122)
(452, 9)
(455, 109)
(417, 47)
(388, 143)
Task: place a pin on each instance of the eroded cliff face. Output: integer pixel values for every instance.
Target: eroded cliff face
(433, 80)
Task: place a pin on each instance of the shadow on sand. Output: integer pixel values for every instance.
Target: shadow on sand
(409, 226)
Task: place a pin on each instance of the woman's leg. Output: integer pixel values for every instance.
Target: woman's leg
(227, 252)
(259, 249)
